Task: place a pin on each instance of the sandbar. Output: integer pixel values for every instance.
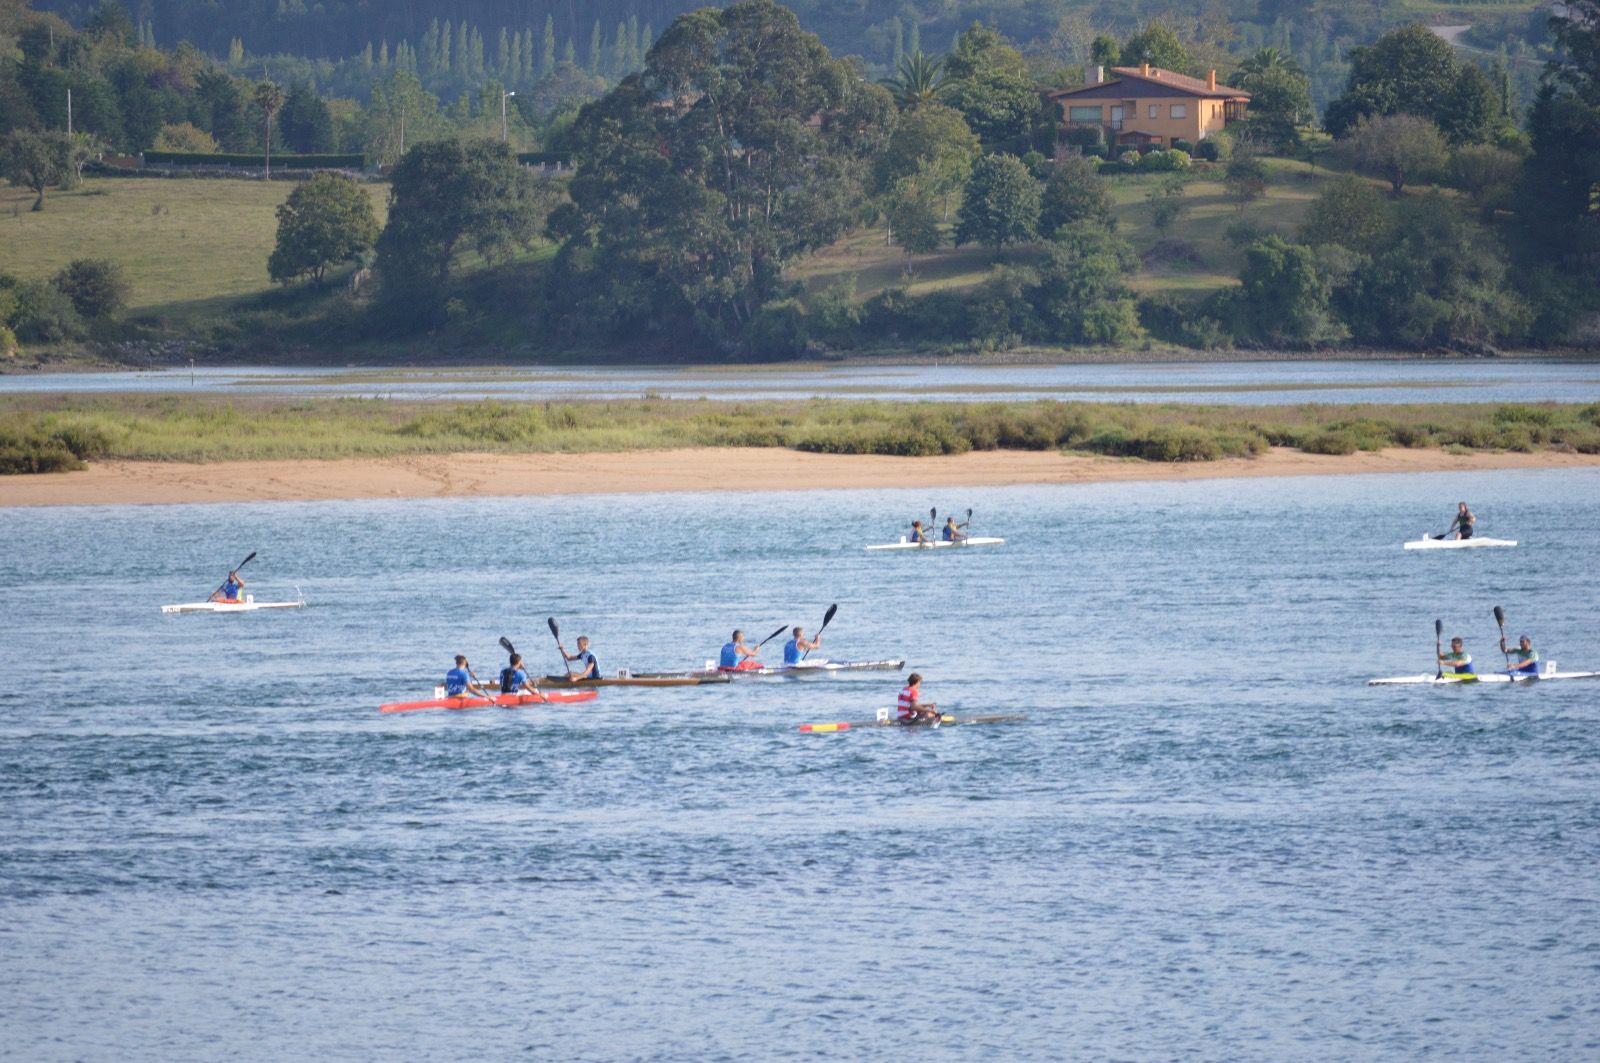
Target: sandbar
(696, 469)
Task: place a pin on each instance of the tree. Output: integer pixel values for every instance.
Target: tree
(1472, 111)
(445, 195)
(1075, 193)
(1486, 174)
(740, 146)
(913, 217)
(933, 144)
(1285, 292)
(1557, 196)
(269, 100)
(306, 122)
(34, 161)
(326, 220)
(1082, 295)
(1280, 103)
(1104, 51)
(918, 80)
(1397, 148)
(990, 85)
(186, 137)
(1245, 178)
(1001, 205)
(96, 287)
(1349, 212)
(1410, 70)
(1260, 62)
(1157, 45)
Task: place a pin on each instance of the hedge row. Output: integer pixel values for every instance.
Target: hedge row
(288, 162)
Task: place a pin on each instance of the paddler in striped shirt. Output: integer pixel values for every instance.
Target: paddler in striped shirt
(459, 680)
(911, 708)
(1456, 661)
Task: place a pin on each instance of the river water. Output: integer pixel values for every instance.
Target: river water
(1209, 840)
(1252, 383)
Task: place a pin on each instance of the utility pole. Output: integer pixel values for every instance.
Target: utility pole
(69, 112)
(504, 137)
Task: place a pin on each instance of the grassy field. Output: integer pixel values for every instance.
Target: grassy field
(185, 245)
(49, 433)
(1204, 262)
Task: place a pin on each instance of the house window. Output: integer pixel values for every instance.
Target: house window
(1178, 111)
(1116, 117)
(1153, 109)
(1083, 114)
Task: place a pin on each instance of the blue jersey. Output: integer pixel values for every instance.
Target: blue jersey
(230, 589)
(917, 534)
(730, 656)
(949, 533)
(511, 680)
(588, 667)
(455, 682)
(791, 652)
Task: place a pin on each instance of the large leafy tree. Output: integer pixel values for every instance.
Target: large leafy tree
(326, 220)
(1560, 192)
(445, 196)
(1082, 295)
(34, 161)
(1156, 44)
(1280, 103)
(990, 85)
(306, 122)
(1398, 148)
(1075, 193)
(933, 146)
(1001, 205)
(1409, 70)
(740, 146)
(1285, 291)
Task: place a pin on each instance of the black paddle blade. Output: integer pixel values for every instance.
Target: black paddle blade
(245, 562)
(1500, 616)
(933, 514)
(1438, 628)
(505, 644)
(827, 618)
(555, 628)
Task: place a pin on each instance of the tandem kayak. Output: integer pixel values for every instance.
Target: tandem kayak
(646, 679)
(1488, 677)
(821, 666)
(249, 605)
(1428, 542)
(937, 544)
(509, 701)
(946, 720)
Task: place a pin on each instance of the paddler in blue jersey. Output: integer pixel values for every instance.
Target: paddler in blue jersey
(798, 647)
(588, 668)
(514, 678)
(229, 591)
(460, 680)
(1456, 660)
(1527, 658)
(952, 531)
(919, 534)
(736, 656)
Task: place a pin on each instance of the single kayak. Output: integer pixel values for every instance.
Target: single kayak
(946, 720)
(509, 701)
(1428, 542)
(646, 679)
(249, 605)
(821, 666)
(937, 544)
(1487, 677)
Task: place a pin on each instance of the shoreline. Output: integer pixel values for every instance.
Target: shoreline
(480, 475)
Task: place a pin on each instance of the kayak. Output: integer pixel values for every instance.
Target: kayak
(645, 679)
(249, 605)
(1428, 542)
(946, 720)
(509, 701)
(1487, 677)
(821, 666)
(937, 544)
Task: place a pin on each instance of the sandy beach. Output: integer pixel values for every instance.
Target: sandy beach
(467, 475)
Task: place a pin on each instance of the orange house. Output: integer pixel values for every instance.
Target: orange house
(1147, 105)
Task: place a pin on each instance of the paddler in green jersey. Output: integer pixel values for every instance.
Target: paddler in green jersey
(1456, 660)
(1526, 658)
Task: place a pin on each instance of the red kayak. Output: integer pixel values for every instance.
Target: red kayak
(510, 701)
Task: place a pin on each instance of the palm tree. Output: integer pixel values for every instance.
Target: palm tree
(1266, 59)
(269, 98)
(918, 80)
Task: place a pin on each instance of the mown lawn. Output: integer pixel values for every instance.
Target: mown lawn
(183, 243)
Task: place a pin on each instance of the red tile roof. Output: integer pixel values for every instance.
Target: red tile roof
(1178, 81)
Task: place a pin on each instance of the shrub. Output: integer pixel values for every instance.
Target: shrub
(1166, 160)
(96, 287)
(1207, 150)
(45, 314)
(1330, 441)
(1179, 144)
(1091, 140)
(8, 342)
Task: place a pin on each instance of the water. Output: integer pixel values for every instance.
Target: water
(1208, 841)
(1253, 383)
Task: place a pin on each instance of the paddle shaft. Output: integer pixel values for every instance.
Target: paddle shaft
(827, 618)
(1438, 649)
(233, 571)
(1500, 619)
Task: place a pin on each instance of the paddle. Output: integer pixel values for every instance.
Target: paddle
(827, 618)
(781, 629)
(1438, 649)
(505, 644)
(232, 571)
(1500, 618)
(555, 629)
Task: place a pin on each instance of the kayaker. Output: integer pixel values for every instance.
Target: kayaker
(514, 679)
(229, 591)
(919, 534)
(1462, 525)
(1456, 660)
(589, 668)
(736, 656)
(460, 680)
(797, 647)
(1527, 658)
(911, 708)
(952, 531)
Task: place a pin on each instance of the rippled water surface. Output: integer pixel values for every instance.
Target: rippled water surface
(1209, 840)
(1253, 383)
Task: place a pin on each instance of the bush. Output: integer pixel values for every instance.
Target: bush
(1091, 140)
(1168, 160)
(1331, 441)
(8, 342)
(45, 314)
(96, 287)
(780, 330)
(1179, 144)
(1207, 150)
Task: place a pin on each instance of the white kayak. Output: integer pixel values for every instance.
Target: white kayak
(937, 544)
(1488, 677)
(816, 666)
(1428, 542)
(249, 605)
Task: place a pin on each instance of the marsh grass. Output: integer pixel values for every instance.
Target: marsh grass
(48, 433)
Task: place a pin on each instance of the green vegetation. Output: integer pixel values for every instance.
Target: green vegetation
(53, 432)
